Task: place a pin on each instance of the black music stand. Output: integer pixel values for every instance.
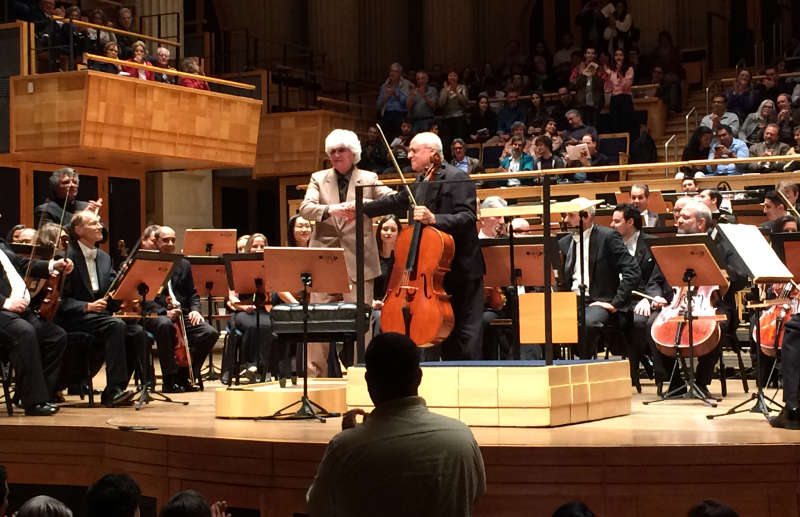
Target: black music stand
(765, 266)
(690, 260)
(209, 241)
(318, 270)
(246, 274)
(209, 273)
(147, 273)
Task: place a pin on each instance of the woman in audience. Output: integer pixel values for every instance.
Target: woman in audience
(192, 66)
(98, 17)
(43, 506)
(752, 130)
(139, 57)
(453, 100)
(620, 78)
(386, 235)
(551, 130)
(483, 121)
(537, 114)
(299, 234)
(697, 149)
(742, 97)
(109, 50)
(795, 165)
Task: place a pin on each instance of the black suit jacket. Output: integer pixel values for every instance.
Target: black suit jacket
(652, 280)
(50, 211)
(39, 269)
(453, 204)
(183, 287)
(608, 260)
(77, 290)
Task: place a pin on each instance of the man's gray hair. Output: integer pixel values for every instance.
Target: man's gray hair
(494, 202)
(430, 139)
(517, 124)
(701, 211)
(343, 137)
(572, 112)
(55, 179)
(458, 141)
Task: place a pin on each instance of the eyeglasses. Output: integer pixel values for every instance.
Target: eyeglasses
(339, 150)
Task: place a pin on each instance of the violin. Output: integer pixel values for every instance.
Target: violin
(416, 304)
(772, 321)
(671, 336)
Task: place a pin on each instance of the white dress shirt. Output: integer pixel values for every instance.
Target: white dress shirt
(18, 288)
(576, 274)
(90, 255)
(630, 243)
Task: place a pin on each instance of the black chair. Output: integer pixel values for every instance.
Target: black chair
(80, 364)
(729, 343)
(6, 377)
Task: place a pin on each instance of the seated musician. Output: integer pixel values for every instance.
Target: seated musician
(774, 208)
(712, 198)
(609, 272)
(695, 217)
(627, 220)
(492, 227)
(251, 318)
(495, 341)
(789, 417)
(200, 335)
(84, 308)
(34, 346)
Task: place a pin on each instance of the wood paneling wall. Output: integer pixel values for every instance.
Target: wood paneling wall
(333, 28)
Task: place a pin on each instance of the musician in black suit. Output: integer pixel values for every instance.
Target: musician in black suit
(35, 346)
(640, 196)
(63, 187)
(628, 221)
(200, 335)
(447, 204)
(610, 272)
(789, 416)
(85, 309)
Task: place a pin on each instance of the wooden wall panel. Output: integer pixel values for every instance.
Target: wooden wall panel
(333, 31)
(383, 29)
(46, 114)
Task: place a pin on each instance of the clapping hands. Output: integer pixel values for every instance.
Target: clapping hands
(346, 210)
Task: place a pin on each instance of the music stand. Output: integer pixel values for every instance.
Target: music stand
(209, 273)
(209, 241)
(689, 260)
(319, 270)
(148, 272)
(245, 273)
(764, 267)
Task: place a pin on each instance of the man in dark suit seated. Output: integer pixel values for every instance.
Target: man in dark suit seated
(609, 272)
(85, 309)
(64, 187)
(627, 220)
(35, 346)
(200, 335)
(640, 195)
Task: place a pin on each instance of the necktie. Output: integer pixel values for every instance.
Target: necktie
(343, 181)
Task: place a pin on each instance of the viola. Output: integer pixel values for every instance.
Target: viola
(415, 303)
(772, 321)
(49, 291)
(671, 336)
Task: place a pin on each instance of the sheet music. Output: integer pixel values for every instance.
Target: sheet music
(756, 253)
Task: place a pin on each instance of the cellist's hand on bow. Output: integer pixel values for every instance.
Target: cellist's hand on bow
(423, 214)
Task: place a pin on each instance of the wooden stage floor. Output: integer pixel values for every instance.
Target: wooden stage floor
(658, 460)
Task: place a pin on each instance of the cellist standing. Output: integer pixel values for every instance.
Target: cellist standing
(447, 203)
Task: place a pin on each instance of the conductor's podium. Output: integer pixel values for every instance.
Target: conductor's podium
(516, 393)
(101, 120)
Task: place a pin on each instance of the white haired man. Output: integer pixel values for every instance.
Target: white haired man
(329, 201)
(448, 204)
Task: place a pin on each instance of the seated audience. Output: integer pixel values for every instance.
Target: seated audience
(162, 61)
(460, 160)
(517, 129)
(192, 65)
(491, 92)
(668, 91)
(752, 130)
(727, 146)
(517, 161)
(573, 509)
(720, 115)
(537, 114)
(551, 130)
(559, 108)
(483, 121)
(544, 158)
(139, 55)
(595, 159)
(511, 112)
(400, 146)
(788, 118)
(113, 495)
(769, 87)
(374, 154)
(577, 129)
(770, 146)
(711, 508)
(742, 98)
(698, 148)
(111, 50)
(421, 103)
(400, 449)
(98, 17)
(43, 506)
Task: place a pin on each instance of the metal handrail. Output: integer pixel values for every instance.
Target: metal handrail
(686, 119)
(105, 28)
(666, 152)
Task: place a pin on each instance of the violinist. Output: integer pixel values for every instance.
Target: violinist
(83, 308)
(35, 346)
(695, 217)
(609, 273)
(628, 221)
(200, 336)
(449, 206)
(330, 203)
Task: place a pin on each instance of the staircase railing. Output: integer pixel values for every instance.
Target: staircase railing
(686, 118)
(673, 138)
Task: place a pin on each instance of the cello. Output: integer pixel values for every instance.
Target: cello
(771, 322)
(670, 335)
(416, 304)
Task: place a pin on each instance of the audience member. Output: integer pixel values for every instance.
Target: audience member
(113, 495)
(162, 61)
(421, 103)
(98, 17)
(453, 102)
(770, 146)
(400, 145)
(720, 115)
(588, 86)
(667, 58)
(537, 114)
(544, 159)
(769, 87)
(111, 49)
(698, 148)
(541, 80)
(551, 130)
(517, 129)
(400, 449)
(373, 153)
(191, 65)
(186, 503)
(491, 92)
(573, 509)
(511, 112)
(125, 22)
(788, 118)
(564, 53)
(559, 109)
(595, 159)
(669, 92)
(43, 506)
(139, 54)
(620, 77)
(392, 100)
(727, 146)
(517, 161)
(752, 130)
(688, 186)
(577, 129)
(742, 98)
(469, 78)
(592, 23)
(460, 160)
(712, 508)
(483, 121)
(618, 31)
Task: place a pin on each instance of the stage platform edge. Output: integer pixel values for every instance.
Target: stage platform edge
(264, 399)
(517, 396)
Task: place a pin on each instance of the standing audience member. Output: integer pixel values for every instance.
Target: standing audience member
(125, 22)
(720, 115)
(113, 495)
(392, 99)
(621, 107)
(453, 102)
(191, 65)
(405, 458)
(588, 86)
(742, 97)
(421, 103)
(618, 32)
(389, 227)
(483, 121)
(43, 506)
